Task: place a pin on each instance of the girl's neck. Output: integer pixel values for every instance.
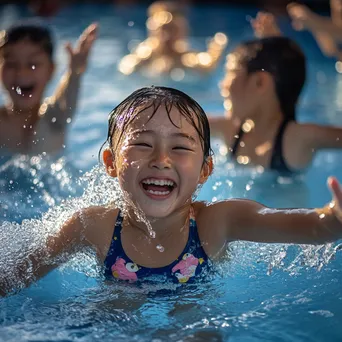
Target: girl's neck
(162, 228)
(27, 113)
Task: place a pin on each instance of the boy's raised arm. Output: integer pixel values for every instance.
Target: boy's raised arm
(62, 105)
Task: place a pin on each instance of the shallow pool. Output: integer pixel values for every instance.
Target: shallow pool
(266, 293)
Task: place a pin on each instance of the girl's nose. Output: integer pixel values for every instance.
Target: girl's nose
(23, 70)
(160, 160)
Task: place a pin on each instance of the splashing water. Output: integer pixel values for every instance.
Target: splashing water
(289, 258)
(30, 185)
(19, 242)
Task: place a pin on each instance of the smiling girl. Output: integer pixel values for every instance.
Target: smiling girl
(28, 124)
(159, 151)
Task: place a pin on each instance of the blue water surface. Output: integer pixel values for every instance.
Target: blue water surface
(264, 294)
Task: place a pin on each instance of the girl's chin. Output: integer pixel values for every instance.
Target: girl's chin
(157, 212)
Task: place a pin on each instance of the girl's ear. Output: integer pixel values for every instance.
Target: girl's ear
(108, 160)
(207, 170)
(263, 80)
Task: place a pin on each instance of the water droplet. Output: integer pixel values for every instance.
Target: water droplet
(160, 248)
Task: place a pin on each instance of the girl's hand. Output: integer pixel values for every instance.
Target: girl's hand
(336, 191)
(302, 17)
(78, 56)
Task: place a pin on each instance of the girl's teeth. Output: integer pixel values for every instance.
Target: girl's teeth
(158, 192)
(158, 182)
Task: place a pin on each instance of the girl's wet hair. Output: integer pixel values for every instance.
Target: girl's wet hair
(154, 97)
(284, 60)
(31, 30)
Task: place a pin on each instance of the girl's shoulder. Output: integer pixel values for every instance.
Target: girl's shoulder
(218, 213)
(98, 223)
(213, 221)
(98, 214)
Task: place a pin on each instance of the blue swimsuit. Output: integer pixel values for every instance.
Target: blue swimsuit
(192, 261)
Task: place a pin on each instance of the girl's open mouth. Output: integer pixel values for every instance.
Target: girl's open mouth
(26, 90)
(158, 188)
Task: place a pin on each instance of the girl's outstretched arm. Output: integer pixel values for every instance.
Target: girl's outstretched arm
(251, 221)
(62, 105)
(312, 138)
(37, 263)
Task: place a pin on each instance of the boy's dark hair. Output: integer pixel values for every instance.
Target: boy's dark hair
(284, 60)
(123, 114)
(31, 30)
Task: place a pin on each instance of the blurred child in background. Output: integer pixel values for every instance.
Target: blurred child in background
(28, 123)
(263, 81)
(166, 47)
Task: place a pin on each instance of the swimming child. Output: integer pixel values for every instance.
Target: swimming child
(29, 125)
(263, 81)
(166, 47)
(159, 151)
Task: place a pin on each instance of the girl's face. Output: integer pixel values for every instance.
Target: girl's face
(25, 70)
(159, 165)
(238, 89)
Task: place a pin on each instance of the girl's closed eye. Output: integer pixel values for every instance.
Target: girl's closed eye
(182, 148)
(140, 144)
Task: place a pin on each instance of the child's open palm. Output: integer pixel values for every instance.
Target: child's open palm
(78, 56)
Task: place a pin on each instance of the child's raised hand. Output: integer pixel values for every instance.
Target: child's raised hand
(336, 191)
(265, 25)
(301, 16)
(78, 56)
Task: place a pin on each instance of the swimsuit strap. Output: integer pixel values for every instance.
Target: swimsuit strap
(277, 161)
(116, 245)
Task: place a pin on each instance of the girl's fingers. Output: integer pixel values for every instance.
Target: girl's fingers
(87, 38)
(69, 49)
(335, 189)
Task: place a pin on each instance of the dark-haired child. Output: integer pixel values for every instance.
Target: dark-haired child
(262, 84)
(29, 124)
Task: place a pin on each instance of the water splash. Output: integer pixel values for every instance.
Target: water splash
(30, 185)
(21, 243)
(289, 258)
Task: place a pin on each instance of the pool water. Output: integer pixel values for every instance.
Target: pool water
(266, 293)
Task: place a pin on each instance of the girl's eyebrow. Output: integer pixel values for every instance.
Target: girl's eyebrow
(173, 135)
